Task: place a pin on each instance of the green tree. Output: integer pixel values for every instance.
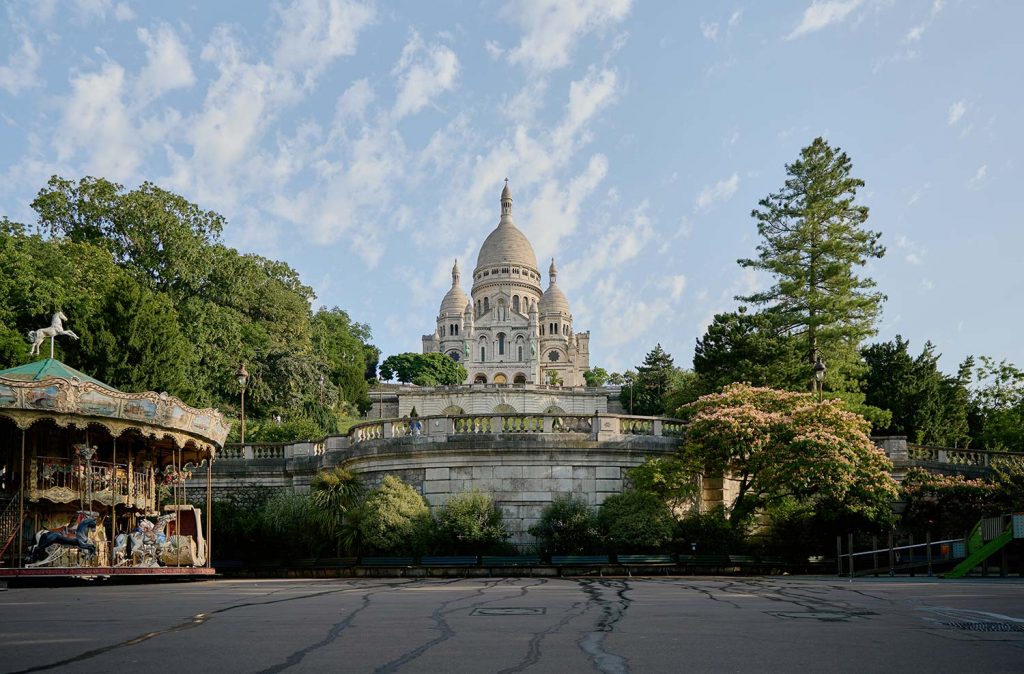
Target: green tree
(748, 347)
(646, 392)
(471, 523)
(999, 405)
(394, 518)
(812, 241)
(780, 445)
(423, 369)
(334, 494)
(635, 521)
(947, 505)
(566, 526)
(596, 377)
(669, 479)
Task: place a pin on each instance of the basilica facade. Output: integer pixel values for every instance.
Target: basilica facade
(509, 330)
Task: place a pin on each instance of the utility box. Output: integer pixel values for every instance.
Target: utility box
(959, 549)
(1018, 525)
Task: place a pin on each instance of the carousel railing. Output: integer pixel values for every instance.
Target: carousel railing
(66, 480)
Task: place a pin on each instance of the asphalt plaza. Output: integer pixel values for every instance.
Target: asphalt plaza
(592, 624)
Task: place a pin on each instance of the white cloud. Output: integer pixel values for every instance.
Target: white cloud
(616, 245)
(423, 72)
(167, 65)
(975, 183)
(914, 252)
(734, 18)
(675, 284)
(314, 33)
(22, 69)
(493, 49)
(551, 28)
(956, 112)
(123, 12)
(97, 122)
(823, 13)
(709, 30)
(717, 193)
(353, 103)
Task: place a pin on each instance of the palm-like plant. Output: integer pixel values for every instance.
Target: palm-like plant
(335, 494)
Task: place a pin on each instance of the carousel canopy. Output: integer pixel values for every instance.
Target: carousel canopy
(49, 389)
(50, 368)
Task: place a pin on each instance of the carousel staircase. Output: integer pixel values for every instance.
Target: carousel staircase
(9, 522)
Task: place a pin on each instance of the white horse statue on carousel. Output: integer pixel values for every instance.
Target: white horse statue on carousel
(144, 546)
(56, 328)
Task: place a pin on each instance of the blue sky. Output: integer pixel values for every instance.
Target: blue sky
(365, 143)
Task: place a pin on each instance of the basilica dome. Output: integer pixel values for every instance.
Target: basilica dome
(506, 244)
(553, 301)
(455, 300)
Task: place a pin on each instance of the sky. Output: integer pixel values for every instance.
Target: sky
(366, 144)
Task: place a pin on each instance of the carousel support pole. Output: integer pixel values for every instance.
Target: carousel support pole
(209, 510)
(21, 505)
(113, 501)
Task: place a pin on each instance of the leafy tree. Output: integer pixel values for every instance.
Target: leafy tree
(926, 405)
(344, 346)
(999, 405)
(288, 520)
(946, 505)
(566, 526)
(423, 369)
(653, 379)
(596, 377)
(749, 347)
(636, 521)
(471, 523)
(616, 379)
(780, 445)
(812, 241)
(394, 518)
(668, 479)
(684, 387)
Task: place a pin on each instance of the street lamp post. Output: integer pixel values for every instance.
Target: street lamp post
(819, 374)
(629, 383)
(243, 378)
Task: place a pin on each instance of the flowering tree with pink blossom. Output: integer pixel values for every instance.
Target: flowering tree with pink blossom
(783, 446)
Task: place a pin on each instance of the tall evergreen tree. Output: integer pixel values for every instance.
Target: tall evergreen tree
(812, 240)
(652, 382)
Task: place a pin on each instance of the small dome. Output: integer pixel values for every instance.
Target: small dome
(455, 300)
(554, 301)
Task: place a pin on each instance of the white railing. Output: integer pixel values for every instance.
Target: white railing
(968, 458)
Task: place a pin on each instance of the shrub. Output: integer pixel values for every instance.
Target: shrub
(291, 528)
(566, 526)
(394, 518)
(471, 523)
(947, 505)
(708, 533)
(335, 493)
(635, 521)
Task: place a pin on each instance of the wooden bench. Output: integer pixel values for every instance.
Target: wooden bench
(457, 560)
(743, 560)
(705, 561)
(386, 561)
(645, 560)
(510, 560)
(579, 560)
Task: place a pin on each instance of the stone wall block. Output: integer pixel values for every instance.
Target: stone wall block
(607, 486)
(437, 474)
(537, 472)
(483, 472)
(561, 472)
(608, 473)
(508, 471)
(436, 486)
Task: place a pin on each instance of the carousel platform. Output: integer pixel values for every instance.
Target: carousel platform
(83, 572)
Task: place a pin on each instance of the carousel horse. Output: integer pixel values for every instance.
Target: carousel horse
(74, 534)
(144, 544)
(56, 328)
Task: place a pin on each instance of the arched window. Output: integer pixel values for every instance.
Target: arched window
(501, 343)
(542, 331)
(519, 356)
(487, 304)
(500, 379)
(515, 303)
(456, 329)
(480, 379)
(483, 353)
(520, 378)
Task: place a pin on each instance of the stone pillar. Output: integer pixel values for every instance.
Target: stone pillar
(605, 426)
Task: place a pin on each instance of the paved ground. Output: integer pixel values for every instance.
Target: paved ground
(519, 625)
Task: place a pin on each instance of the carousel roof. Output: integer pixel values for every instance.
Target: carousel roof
(49, 368)
(50, 389)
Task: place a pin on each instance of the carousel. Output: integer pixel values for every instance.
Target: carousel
(92, 479)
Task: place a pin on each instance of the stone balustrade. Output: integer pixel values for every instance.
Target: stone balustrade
(439, 428)
(967, 458)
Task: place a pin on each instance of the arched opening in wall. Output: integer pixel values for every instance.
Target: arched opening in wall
(487, 304)
(452, 410)
(505, 408)
(519, 352)
(520, 378)
(500, 378)
(481, 378)
(501, 343)
(515, 303)
(554, 409)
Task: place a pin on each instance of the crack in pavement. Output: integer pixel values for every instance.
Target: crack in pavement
(336, 629)
(446, 630)
(195, 621)
(592, 643)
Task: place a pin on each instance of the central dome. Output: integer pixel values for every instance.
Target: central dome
(506, 244)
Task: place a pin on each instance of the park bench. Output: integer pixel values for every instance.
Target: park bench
(645, 560)
(456, 560)
(706, 561)
(227, 564)
(742, 560)
(579, 560)
(386, 561)
(510, 560)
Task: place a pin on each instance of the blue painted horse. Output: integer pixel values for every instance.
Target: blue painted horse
(74, 534)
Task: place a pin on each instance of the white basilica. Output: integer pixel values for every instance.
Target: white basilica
(510, 331)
